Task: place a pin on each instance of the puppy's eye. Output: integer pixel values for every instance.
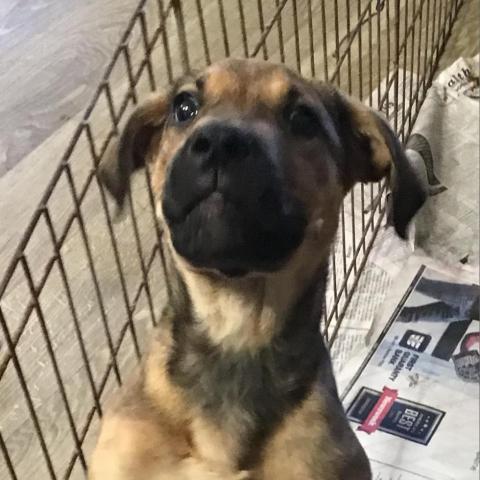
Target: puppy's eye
(185, 107)
(303, 121)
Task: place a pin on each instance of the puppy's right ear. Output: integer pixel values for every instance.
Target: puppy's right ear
(131, 152)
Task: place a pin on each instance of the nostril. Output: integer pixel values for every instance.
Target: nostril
(201, 145)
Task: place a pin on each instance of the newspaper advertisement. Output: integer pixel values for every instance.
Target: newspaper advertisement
(444, 147)
(414, 400)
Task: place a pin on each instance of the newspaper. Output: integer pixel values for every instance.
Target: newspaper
(445, 141)
(414, 400)
(444, 148)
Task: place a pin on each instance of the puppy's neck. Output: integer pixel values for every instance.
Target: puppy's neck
(247, 313)
(245, 353)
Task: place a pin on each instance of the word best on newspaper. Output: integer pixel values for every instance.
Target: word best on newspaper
(415, 399)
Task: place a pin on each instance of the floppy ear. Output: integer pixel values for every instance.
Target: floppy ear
(372, 152)
(132, 149)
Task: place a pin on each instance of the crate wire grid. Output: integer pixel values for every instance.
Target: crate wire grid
(103, 279)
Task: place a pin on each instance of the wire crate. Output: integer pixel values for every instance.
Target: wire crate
(83, 289)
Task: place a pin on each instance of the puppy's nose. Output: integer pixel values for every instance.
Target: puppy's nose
(216, 144)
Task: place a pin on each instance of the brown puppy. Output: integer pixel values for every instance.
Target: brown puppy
(250, 164)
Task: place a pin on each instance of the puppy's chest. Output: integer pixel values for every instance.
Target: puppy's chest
(244, 395)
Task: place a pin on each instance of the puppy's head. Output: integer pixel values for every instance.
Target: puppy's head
(248, 160)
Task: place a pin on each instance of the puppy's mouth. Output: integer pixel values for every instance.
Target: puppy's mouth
(218, 233)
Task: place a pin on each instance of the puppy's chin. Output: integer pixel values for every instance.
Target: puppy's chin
(219, 236)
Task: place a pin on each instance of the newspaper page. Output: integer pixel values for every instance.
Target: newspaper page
(444, 144)
(444, 148)
(414, 401)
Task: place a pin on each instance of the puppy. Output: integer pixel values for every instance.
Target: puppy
(249, 164)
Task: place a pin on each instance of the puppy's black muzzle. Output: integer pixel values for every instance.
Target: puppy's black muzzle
(226, 204)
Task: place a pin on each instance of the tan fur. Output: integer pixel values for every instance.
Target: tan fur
(154, 433)
(274, 89)
(163, 152)
(243, 87)
(363, 118)
(308, 446)
(307, 426)
(221, 83)
(151, 433)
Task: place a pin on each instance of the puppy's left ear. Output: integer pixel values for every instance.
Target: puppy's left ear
(134, 147)
(372, 152)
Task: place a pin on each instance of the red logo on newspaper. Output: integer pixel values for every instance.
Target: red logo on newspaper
(379, 411)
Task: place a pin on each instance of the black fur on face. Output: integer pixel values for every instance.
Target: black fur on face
(225, 200)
